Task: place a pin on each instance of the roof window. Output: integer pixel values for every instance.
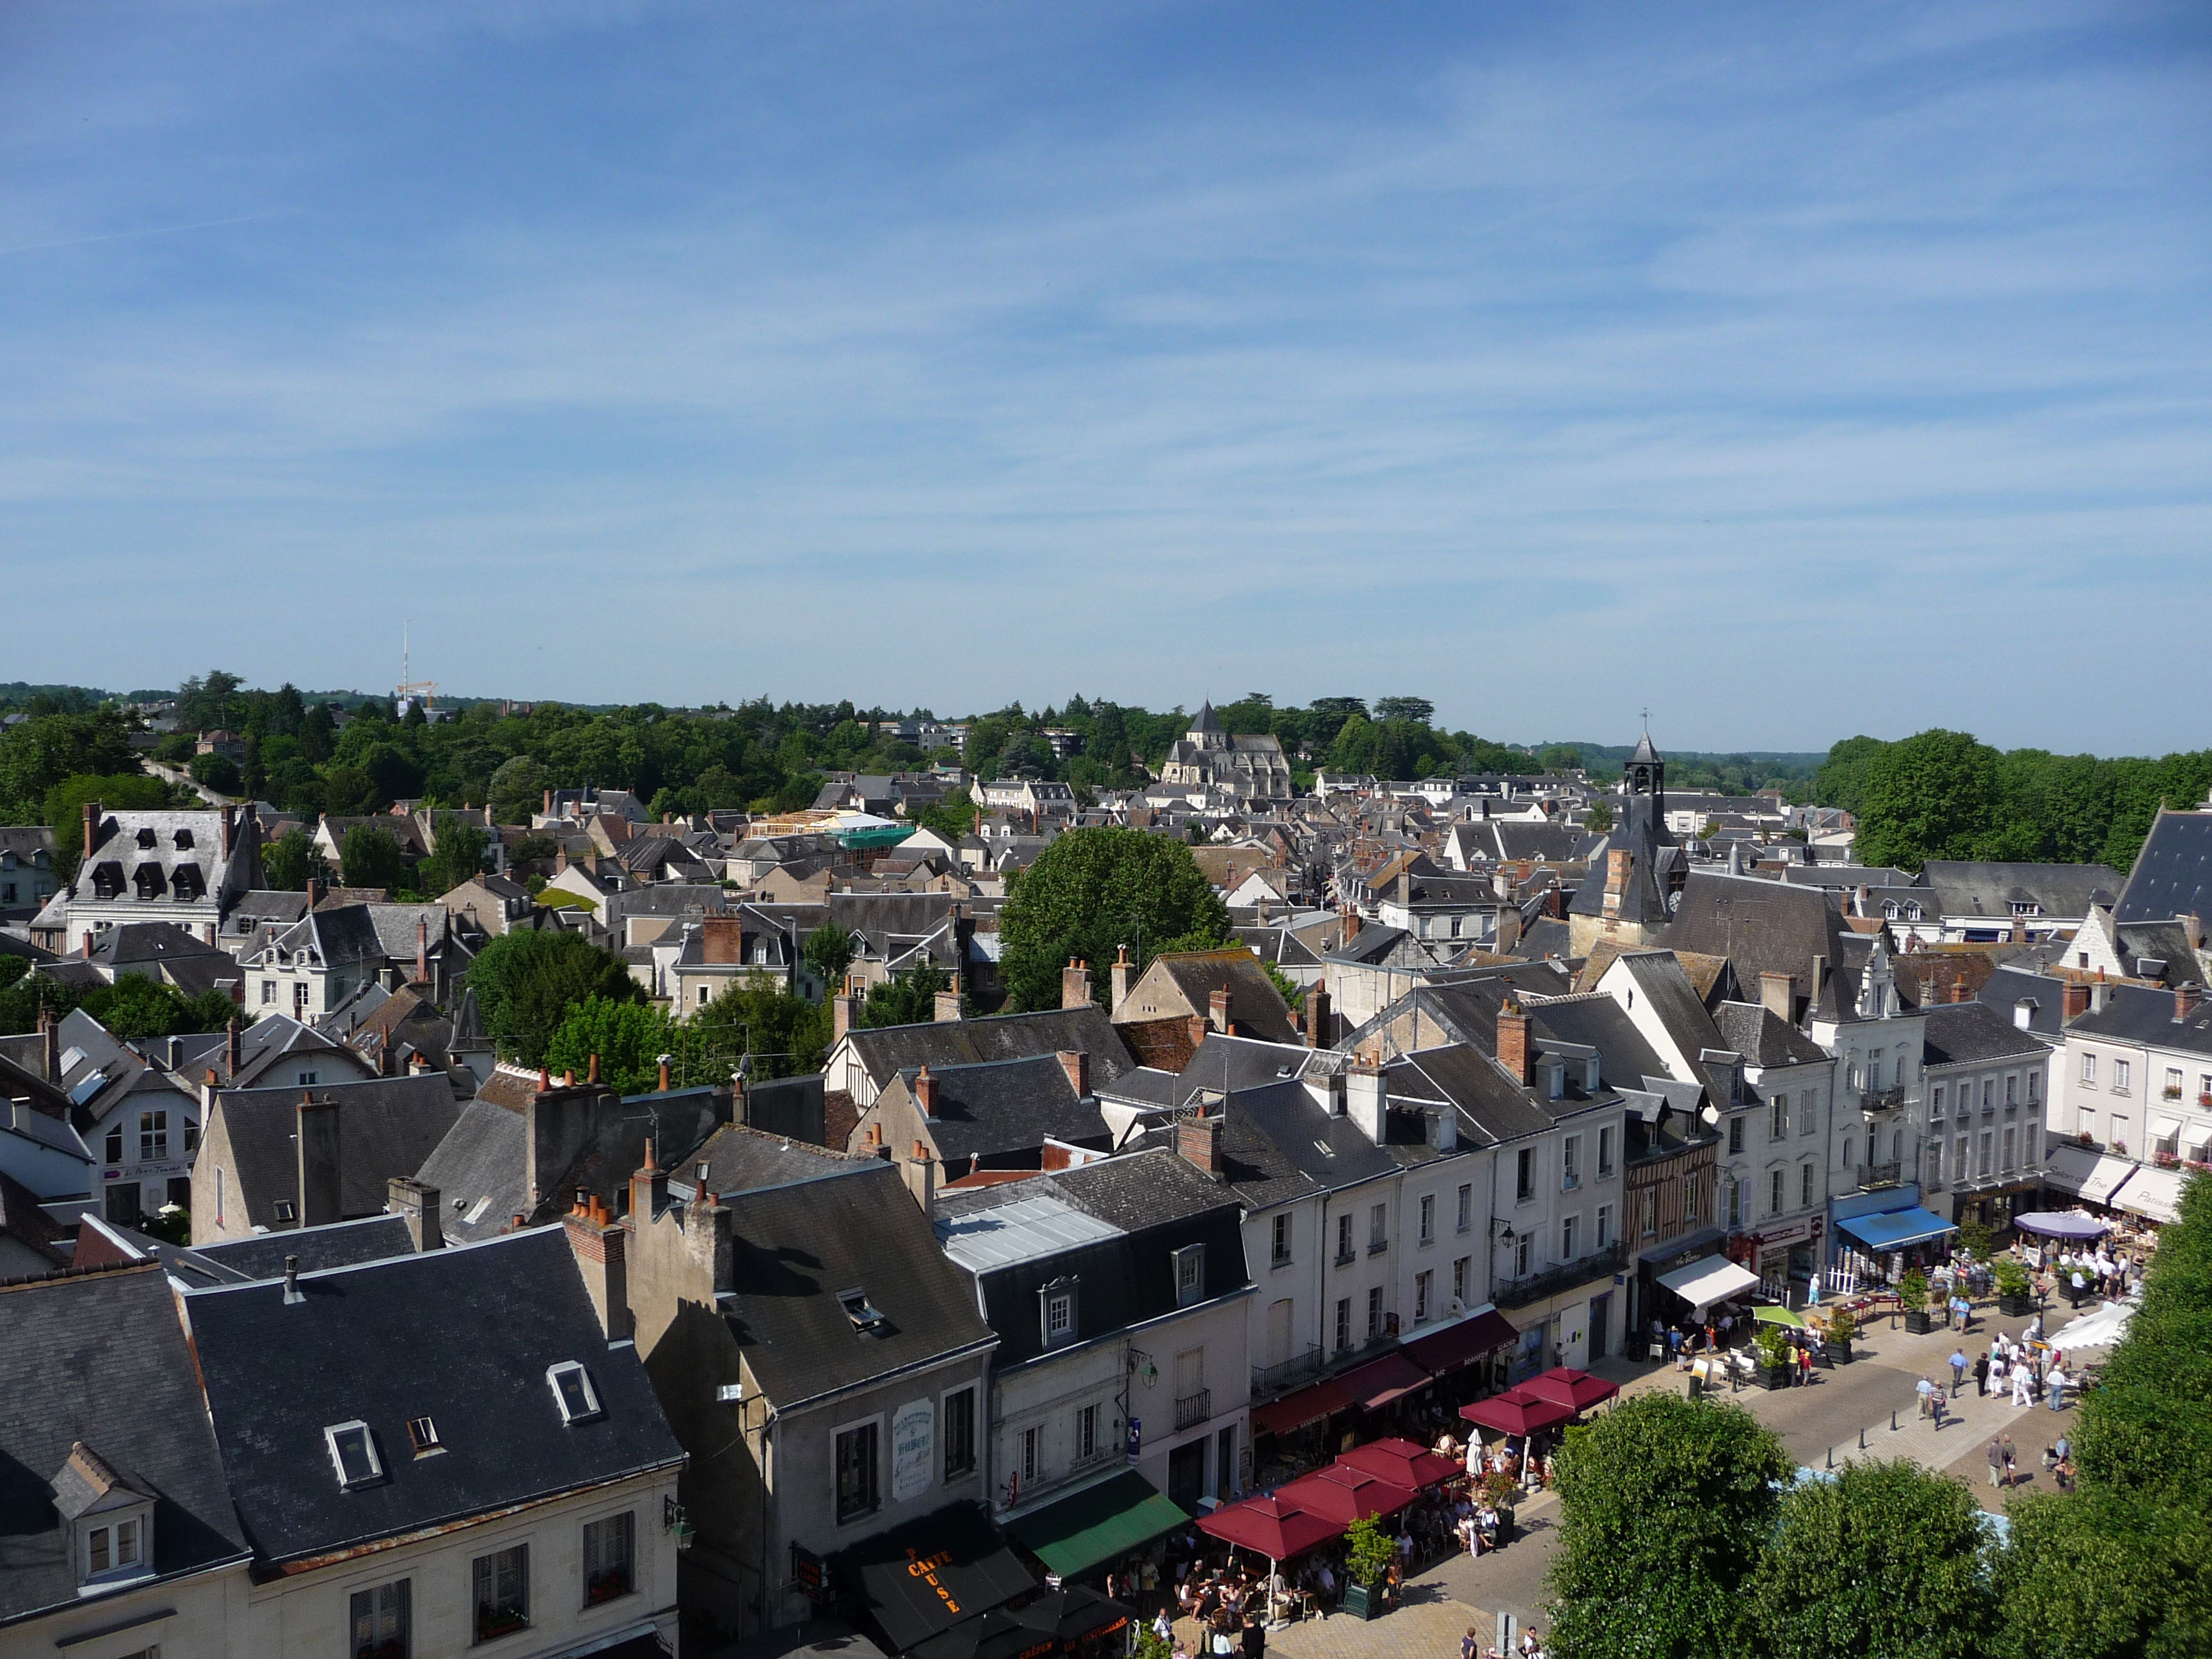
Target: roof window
(573, 1391)
(864, 1314)
(423, 1435)
(183, 840)
(146, 837)
(353, 1453)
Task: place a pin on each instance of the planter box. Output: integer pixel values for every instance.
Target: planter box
(1362, 1602)
(1919, 1321)
(2016, 1306)
(1774, 1376)
(1839, 1349)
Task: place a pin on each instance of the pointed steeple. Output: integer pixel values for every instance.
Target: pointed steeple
(1206, 721)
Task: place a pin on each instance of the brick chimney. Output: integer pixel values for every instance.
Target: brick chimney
(591, 1075)
(1513, 1041)
(2076, 1001)
(232, 1047)
(1077, 1064)
(1122, 975)
(1958, 990)
(1351, 929)
(1198, 1143)
(1616, 881)
(924, 1090)
(600, 1246)
(92, 811)
(1217, 1010)
(1778, 995)
(2186, 996)
(843, 1008)
(418, 1205)
(314, 891)
(1317, 1015)
(1075, 984)
(947, 1008)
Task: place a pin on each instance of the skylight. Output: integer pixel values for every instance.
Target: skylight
(864, 1314)
(423, 1435)
(353, 1452)
(573, 1391)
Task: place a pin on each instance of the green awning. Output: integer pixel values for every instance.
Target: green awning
(1097, 1524)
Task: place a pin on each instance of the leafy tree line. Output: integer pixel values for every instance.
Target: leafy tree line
(134, 1007)
(1942, 794)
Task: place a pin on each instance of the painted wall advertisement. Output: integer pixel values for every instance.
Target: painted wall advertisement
(913, 1448)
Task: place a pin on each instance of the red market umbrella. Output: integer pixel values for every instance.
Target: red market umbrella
(1346, 1495)
(1516, 1411)
(1403, 1463)
(1276, 1529)
(1566, 1386)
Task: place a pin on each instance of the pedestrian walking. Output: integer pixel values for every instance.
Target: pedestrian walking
(1925, 1390)
(1255, 1639)
(1981, 1373)
(2010, 1452)
(1470, 1646)
(2058, 1389)
(1935, 1407)
(1805, 1364)
(2022, 1390)
(1996, 1462)
(1958, 1369)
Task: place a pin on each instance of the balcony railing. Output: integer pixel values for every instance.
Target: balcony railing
(1288, 1375)
(1193, 1408)
(1520, 1293)
(1884, 1100)
(1879, 1174)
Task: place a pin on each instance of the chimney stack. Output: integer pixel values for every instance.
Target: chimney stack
(50, 1046)
(844, 1007)
(421, 950)
(1121, 974)
(1217, 1010)
(1507, 932)
(314, 891)
(662, 1083)
(601, 1248)
(1363, 1100)
(1959, 989)
(947, 1008)
(1351, 929)
(1616, 881)
(1077, 1064)
(1778, 995)
(648, 1189)
(1317, 1032)
(292, 1281)
(2192, 926)
(418, 1203)
(1198, 1143)
(925, 1092)
(2077, 1002)
(92, 811)
(2097, 994)
(920, 1174)
(1074, 984)
(1819, 987)
(2187, 995)
(592, 1074)
(1513, 1042)
(320, 1186)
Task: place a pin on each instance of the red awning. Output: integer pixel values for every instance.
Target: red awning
(1516, 1411)
(1379, 1382)
(1295, 1410)
(1277, 1529)
(1450, 1348)
(1345, 1495)
(1568, 1386)
(1403, 1463)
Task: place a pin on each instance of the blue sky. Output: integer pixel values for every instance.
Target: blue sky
(1798, 371)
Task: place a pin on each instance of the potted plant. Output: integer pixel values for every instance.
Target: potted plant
(1772, 1343)
(1842, 1326)
(2013, 1294)
(1913, 1298)
(1502, 1493)
(1369, 1551)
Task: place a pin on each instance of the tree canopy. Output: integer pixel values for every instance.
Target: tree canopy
(629, 1038)
(525, 982)
(1092, 890)
(756, 1015)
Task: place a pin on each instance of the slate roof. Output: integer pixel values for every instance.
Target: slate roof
(1965, 1033)
(2135, 1013)
(798, 1246)
(884, 1051)
(101, 1358)
(1767, 927)
(1750, 1030)
(1975, 888)
(740, 1160)
(387, 1126)
(1661, 980)
(336, 937)
(482, 1161)
(1007, 1106)
(242, 1260)
(277, 1375)
(2173, 872)
(2010, 985)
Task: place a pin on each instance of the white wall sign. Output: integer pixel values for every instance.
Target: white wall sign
(913, 1448)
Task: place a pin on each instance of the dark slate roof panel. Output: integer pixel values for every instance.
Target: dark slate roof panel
(277, 1375)
(481, 1171)
(101, 1359)
(887, 1049)
(387, 1126)
(1006, 1107)
(341, 1244)
(2173, 873)
(1749, 1028)
(2134, 1013)
(1961, 1033)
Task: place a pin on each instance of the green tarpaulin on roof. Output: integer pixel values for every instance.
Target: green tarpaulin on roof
(1097, 1524)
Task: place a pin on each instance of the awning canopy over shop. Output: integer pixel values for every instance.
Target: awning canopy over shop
(2095, 1174)
(1295, 1410)
(1893, 1229)
(1379, 1382)
(1709, 1280)
(1075, 1534)
(2153, 1194)
(927, 1575)
(1441, 1352)
(1516, 1411)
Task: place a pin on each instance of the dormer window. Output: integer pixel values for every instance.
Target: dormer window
(353, 1454)
(1057, 1308)
(1190, 1274)
(111, 1522)
(867, 1317)
(573, 1391)
(186, 883)
(146, 837)
(183, 840)
(108, 880)
(110, 1548)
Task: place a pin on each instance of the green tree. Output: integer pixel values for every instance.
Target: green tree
(786, 1034)
(39, 754)
(1932, 796)
(525, 983)
(828, 953)
(458, 856)
(290, 861)
(629, 1037)
(1841, 780)
(370, 857)
(1665, 1505)
(1094, 889)
(1599, 819)
(65, 803)
(517, 792)
(21, 1002)
(1887, 1559)
(907, 999)
(138, 1006)
(217, 772)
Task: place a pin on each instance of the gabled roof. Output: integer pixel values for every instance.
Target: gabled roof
(1767, 927)
(465, 1336)
(1977, 888)
(1966, 1033)
(99, 1359)
(2173, 872)
(1003, 1107)
(741, 1159)
(797, 1247)
(387, 1126)
(886, 1050)
(1750, 1030)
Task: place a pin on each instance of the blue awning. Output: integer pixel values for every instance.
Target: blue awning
(1893, 1229)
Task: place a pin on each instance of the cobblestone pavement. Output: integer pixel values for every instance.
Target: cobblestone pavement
(1825, 1420)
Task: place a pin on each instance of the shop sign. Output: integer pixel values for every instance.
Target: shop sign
(1136, 1438)
(807, 1575)
(913, 1443)
(1790, 1233)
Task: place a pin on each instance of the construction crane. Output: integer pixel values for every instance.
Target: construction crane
(409, 688)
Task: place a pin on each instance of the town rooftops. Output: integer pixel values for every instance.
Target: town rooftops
(1964, 1033)
(886, 1050)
